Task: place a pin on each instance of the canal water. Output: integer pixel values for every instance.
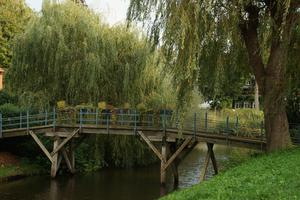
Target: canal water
(109, 184)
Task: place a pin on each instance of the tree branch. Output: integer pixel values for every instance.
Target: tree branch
(248, 28)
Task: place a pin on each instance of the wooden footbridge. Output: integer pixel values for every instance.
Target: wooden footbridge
(170, 140)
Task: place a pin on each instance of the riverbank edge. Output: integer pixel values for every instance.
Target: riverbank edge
(268, 176)
(10, 173)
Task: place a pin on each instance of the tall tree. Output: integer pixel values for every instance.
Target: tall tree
(68, 53)
(261, 28)
(14, 15)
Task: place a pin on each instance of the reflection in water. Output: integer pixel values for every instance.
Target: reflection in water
(108, 184)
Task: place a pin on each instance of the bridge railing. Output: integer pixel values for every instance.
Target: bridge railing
(165, 119)
(27, 120)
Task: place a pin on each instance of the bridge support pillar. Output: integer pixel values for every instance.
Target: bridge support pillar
(168, 156)
(61, 150)
(163, 161)
(209, 156)
(54, 165)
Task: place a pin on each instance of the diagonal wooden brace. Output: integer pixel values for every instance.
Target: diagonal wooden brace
(210, 155)
(178, 151)
(154, 149)
(44, 149)
(64, 142)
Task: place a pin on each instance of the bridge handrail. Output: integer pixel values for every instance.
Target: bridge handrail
(134, 119)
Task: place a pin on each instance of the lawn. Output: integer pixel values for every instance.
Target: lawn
(274, 176)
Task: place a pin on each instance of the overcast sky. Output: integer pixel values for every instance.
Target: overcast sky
(113, 11)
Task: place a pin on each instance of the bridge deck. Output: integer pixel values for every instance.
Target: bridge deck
(154, 133)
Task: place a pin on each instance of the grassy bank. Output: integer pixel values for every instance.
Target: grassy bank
(274, 176)
(10, 172)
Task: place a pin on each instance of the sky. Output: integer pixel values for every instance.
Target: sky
(113, 11)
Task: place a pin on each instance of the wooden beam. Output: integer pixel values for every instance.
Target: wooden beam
(38, 141)
(68, 162)
(72, 154)
(54, 166)
(204, 169)
(213, 158)
(64, 142)
(175, 174)
(210, 155)
(154, 149)
(163, 171)
(59, 161)
(178, 151)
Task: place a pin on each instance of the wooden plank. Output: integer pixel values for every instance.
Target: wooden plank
(154, 149)
(59, 134)
(64, 142)
(178, 151)
(38, 141)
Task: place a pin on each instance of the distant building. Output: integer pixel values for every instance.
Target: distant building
(1, 78)
(247, 99)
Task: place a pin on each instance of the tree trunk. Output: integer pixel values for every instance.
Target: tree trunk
(276, 122)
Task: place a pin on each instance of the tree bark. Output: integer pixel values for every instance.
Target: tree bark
(270, 77)
(276, 122)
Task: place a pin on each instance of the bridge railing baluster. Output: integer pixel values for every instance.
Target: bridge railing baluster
(206, 121)
(195, 125)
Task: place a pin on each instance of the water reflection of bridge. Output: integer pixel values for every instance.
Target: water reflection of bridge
(168, 138)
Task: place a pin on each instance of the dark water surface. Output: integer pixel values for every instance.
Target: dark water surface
(108, 184)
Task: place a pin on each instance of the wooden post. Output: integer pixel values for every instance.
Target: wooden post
(237, 122)
(195, 125)
(97, 113)
(27, 120)
(46, 117)
(72, 155)
(210, 155)
(54, 119)
(206, 121)
(20, 119)
(54, 158)
(174, 164)
(80, 119)
(163, 162)
(227, 123)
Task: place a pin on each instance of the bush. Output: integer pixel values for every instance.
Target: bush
(10, 110)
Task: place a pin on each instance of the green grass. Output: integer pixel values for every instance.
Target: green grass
(275, 176)
(23, 169)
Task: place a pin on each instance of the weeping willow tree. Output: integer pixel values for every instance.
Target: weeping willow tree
(260, 28)
(68, 53)
(14, 17)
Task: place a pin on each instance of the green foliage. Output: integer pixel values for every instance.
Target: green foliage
(7, 98)
(10, 110)
(204, 47)
(23, 169)
(14, 17)
(68, 53)
(112, 151)
(265, 177)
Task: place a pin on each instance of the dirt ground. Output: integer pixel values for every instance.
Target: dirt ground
(7, 158)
